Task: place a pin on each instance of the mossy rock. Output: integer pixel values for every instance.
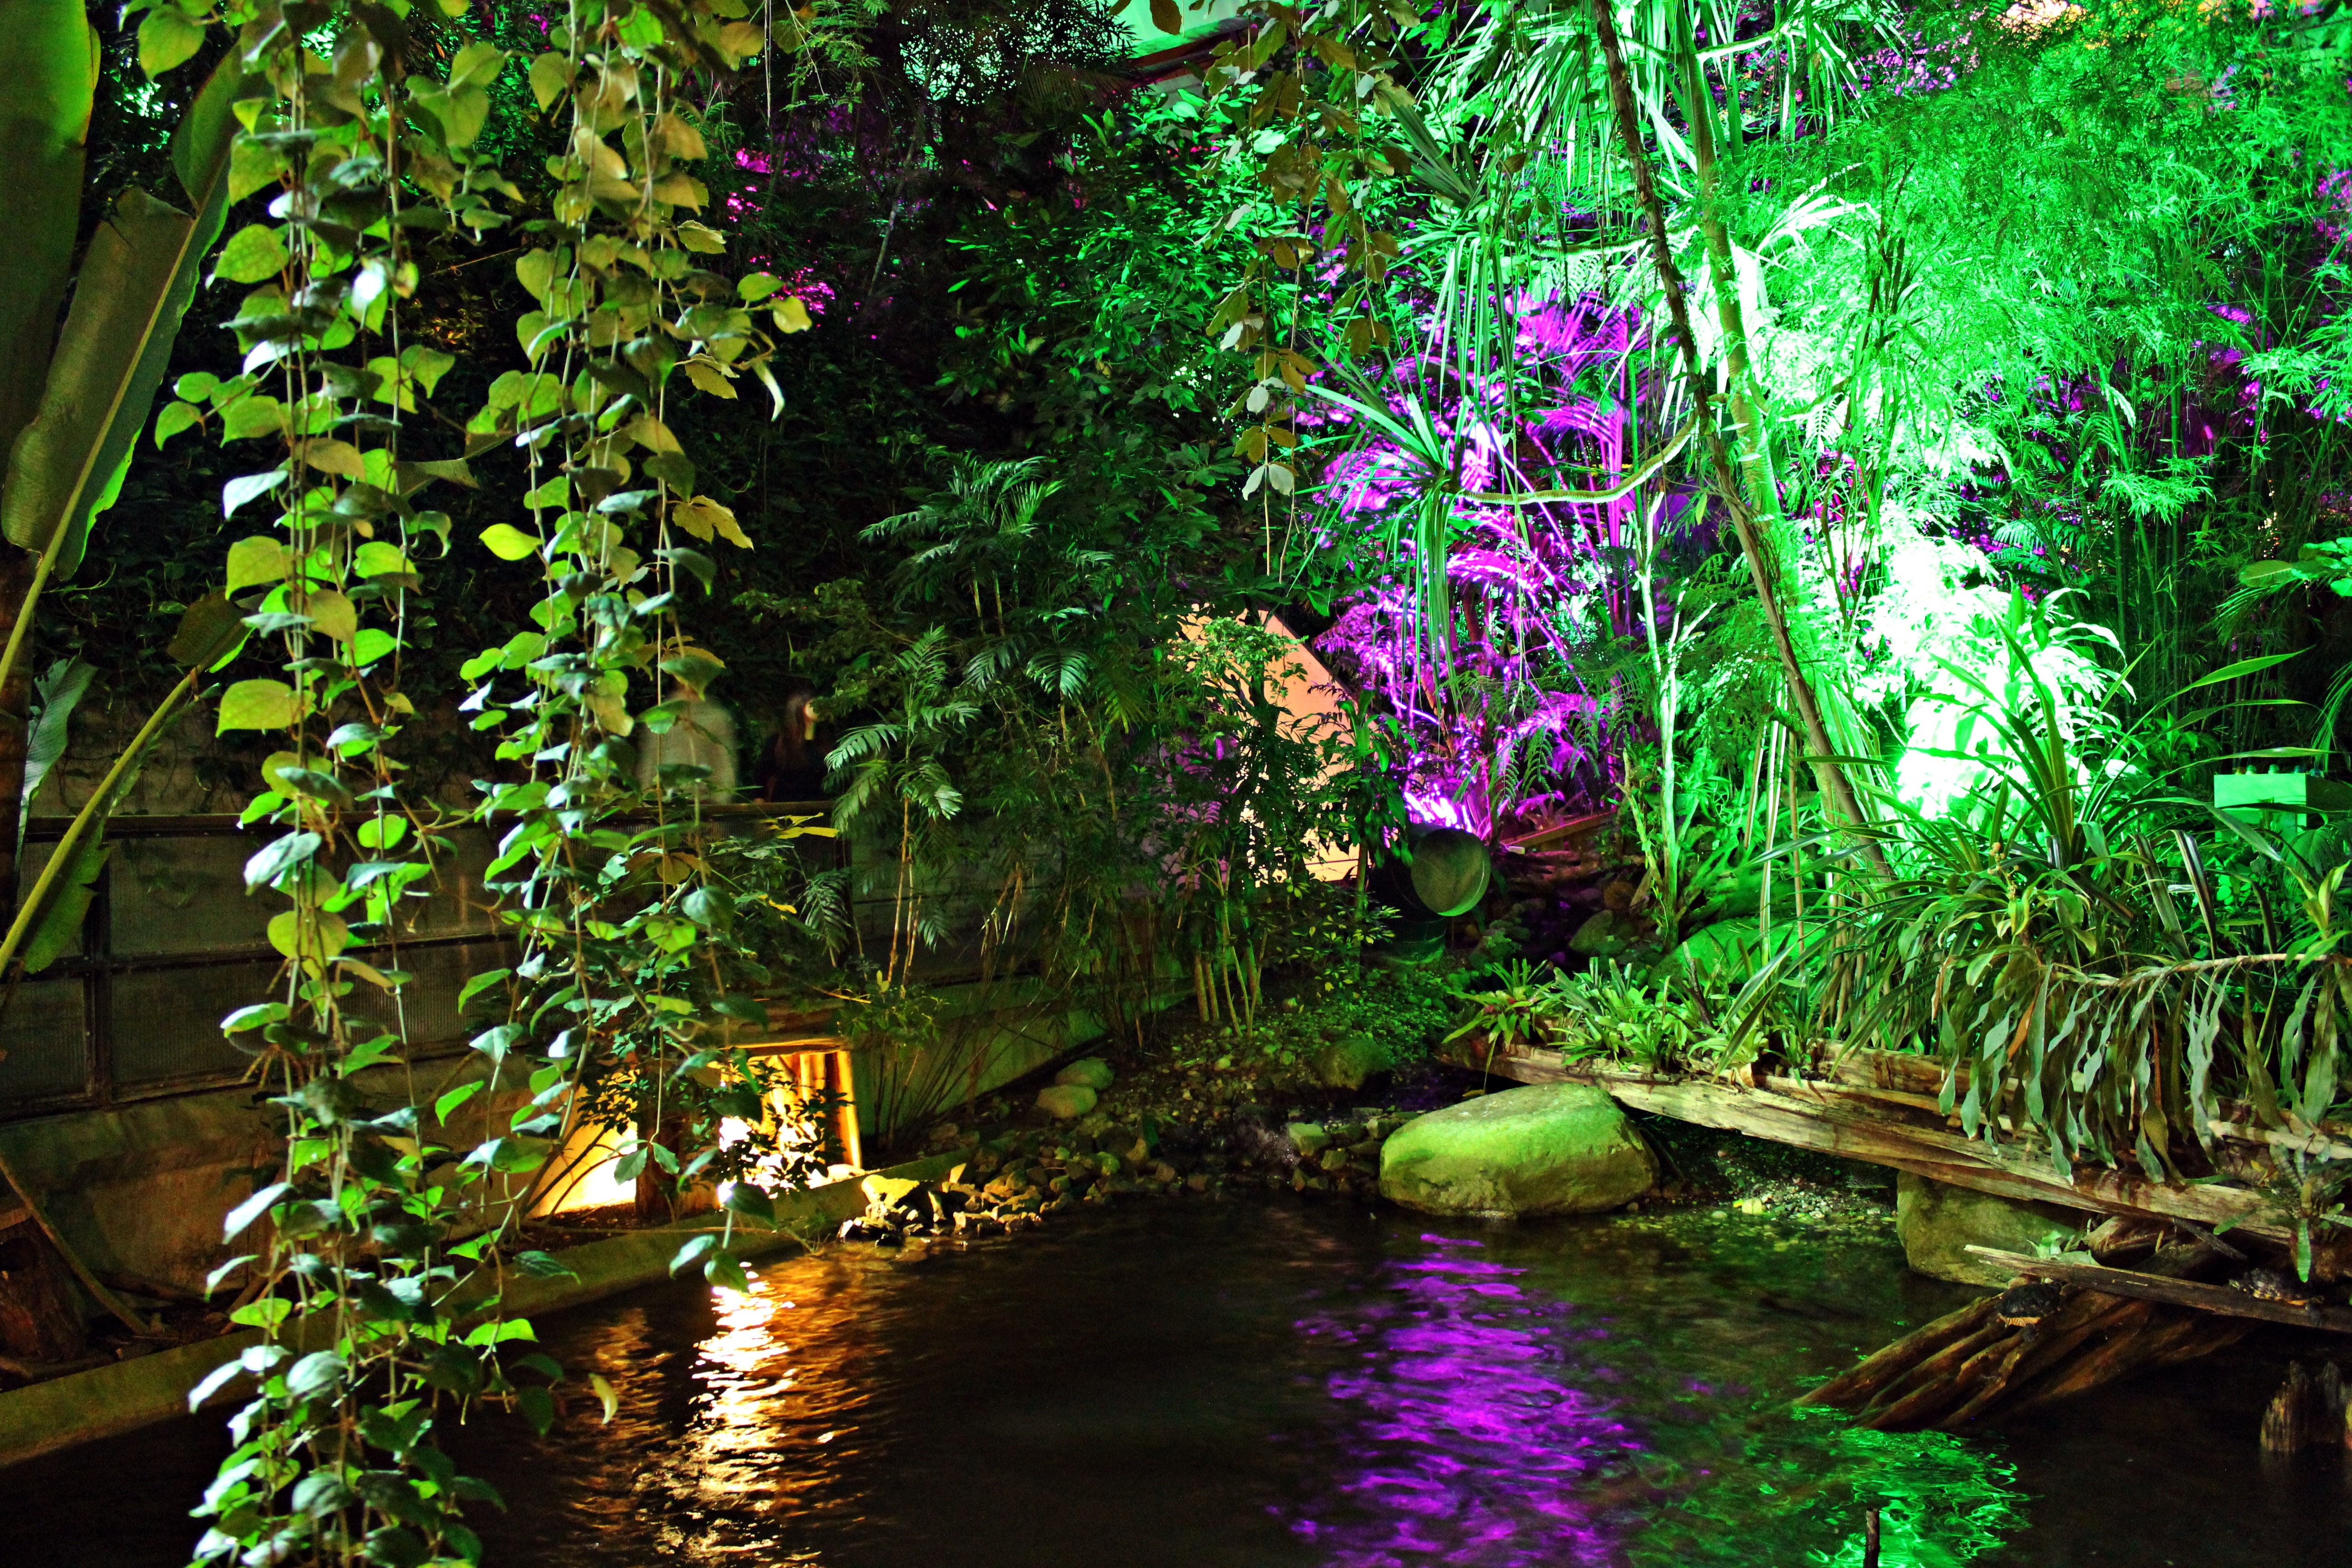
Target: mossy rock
(1065, 1101)
(1092, 1071)
(1937, 1223)
(1547, 1149)
(1347, 1063)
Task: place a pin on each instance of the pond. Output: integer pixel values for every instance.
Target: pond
(1263, 1385)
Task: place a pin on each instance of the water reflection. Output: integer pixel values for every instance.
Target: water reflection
(1467, 1444)
(1259, 1386)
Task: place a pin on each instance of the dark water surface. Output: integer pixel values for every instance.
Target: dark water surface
(1246, 1385)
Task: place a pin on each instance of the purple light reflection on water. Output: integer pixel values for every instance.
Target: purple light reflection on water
(1468, 1446)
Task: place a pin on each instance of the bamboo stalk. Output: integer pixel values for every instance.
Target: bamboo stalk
(1762, 567)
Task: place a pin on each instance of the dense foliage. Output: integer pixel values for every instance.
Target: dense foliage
(1894, 458)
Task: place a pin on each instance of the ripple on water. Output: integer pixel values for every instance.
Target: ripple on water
(1268, 1386)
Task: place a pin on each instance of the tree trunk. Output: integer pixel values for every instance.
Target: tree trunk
(1836, 789)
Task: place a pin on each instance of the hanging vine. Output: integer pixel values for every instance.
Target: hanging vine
(384, 1241)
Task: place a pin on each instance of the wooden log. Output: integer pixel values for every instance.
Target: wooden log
(2084, 1317)
(1930, 1386)
(2167, 1341)
(1851, 1131)
(1854, 1388)
(2174, 1292)
(1992, 1388)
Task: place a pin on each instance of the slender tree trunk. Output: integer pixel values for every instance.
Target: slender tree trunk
(1834, 786)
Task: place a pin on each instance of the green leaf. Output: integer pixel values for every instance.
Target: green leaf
(315, 1374)
(273, 861)
(138, 274)
(480, 983)
(448, 1104)
(56, 924)
(725, 1270)
(746, 1199)
(253, 253)
(60, 692)
(250, 417)
(509, 543)
(211, 631)
(377, 559)
(373, 643)
(477, 64)
(265, 1313)
(252, 1209)
(544, 1266)
(550, 79)
(239, 491)
(167, 41)
(220, 1377)
(260, 559)
(692, 1252)
(175, 417)
(48, 57)
(2232, 671)
(332, 614)
(257, 705)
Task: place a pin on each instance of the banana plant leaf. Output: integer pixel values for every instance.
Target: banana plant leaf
(60, 692)
(137, 278)
(48, 57)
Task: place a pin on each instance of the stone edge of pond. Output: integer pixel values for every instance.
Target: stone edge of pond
(107, 1401)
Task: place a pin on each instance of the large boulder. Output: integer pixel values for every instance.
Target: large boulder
(1939, 1223)
(1091, 1071)
(1551, 1148)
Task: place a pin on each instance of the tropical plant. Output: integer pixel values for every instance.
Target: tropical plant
(2036, 943)
(1517, 1013)
(73, 398)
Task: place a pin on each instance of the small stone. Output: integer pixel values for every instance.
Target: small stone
(1347, 1063)
(1334, 1159)
(1605, 935)
(1311, 1137)
(1065, 1101)
(1092, 1072)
